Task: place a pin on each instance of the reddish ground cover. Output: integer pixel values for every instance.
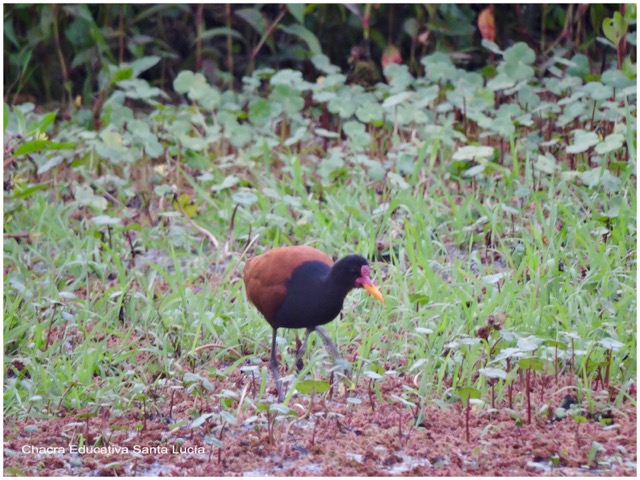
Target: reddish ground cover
(343, 439)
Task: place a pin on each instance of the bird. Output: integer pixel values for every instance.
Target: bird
(363, 70)
(301, 287)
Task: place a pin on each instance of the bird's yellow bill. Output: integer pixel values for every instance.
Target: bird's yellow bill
(373, 290)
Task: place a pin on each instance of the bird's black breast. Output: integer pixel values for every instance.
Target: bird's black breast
(309, 301)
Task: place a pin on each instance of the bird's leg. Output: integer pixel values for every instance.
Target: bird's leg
(303, 347)
(273, 365)
(340, 362)
(334, 350)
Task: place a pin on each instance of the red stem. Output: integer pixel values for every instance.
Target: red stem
(467, 411)
(528, 398)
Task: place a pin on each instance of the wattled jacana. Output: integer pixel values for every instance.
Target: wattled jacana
(301, 287)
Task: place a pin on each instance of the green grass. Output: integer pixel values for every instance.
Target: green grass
(110, 291)
(132, 322)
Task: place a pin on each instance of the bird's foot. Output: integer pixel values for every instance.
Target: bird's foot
(342, 367)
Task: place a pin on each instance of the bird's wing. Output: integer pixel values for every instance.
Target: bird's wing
(266, 275)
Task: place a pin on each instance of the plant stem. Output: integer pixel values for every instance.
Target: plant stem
(229, 43)
(63, 65)
(467, 412)
(121, 34)
(266, 34)
(199, 23)
(528, 397)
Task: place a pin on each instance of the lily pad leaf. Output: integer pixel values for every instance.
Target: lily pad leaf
(279, 408)
(491, 46)
(322, 63)
(546, 165)
(397, 99)
(201, 419)
(493, 373)
(600, 177)
(189, 207)
(467, 393)
(530, 364)
(612, 142)
(472, 152)
(322, 132)
(475, 170)
(308, 387)
(615, 28)
(245, 198)
(105, 220)
(228, 182)
(583, 141)
(530, 343)
(611, 344)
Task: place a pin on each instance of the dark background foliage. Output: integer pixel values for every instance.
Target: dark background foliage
(58, 53)
(490, 178)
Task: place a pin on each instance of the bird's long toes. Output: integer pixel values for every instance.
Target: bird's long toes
(344, 367)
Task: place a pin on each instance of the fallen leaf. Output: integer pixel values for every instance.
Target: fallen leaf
(487, 24)
(391, 55)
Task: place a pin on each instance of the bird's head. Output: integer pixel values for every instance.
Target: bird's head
(355, 269)
(364, 281)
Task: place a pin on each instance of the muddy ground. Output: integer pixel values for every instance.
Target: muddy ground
(337, 438)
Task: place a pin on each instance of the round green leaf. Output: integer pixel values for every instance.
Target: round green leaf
(308, 387)
(245, 197)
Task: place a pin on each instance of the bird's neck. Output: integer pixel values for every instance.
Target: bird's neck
(328, 300)
(335, 289)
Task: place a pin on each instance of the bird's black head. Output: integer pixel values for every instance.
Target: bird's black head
(353, 271)
(348, 269)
